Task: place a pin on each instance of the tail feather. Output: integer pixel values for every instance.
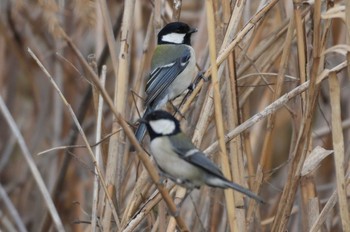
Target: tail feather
(222, 182)
(141, 130)
(245, 191)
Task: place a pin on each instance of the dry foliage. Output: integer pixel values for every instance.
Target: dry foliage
(274, 115)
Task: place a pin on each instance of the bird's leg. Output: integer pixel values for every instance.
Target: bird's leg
(177, 109)
(196, 81)
(162, 178)
(134, 96)
(190, 88)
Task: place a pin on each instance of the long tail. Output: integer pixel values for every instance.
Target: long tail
(243, 190)
(222, 182)
(141, 130)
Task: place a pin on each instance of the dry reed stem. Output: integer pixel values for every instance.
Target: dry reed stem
(249, 26)
(235, 146)
(110, 202)
(33, 168)
(332, 200)
(140, 189)
(121, 90)
(233, 117)
(223, 54)
(301, 43)
(97, 84)
(179, 195)
(321, 132)
(77, 146)
(157, 14)
(143, 156)
(94, 78)
(347, 24)
(146, 55)
(325, 212)
(172, 223)
(338, 146)
(273, 107)
(302, 144)
(258, 55)
(12, 210)
(262, 49)
(218, 116)
(309, 201)
(120, 67)
(203, 121)
(139, 216)
(98, 151)
(265, 159)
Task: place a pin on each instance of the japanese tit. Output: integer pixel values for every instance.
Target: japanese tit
(173, 67)
(179, 160)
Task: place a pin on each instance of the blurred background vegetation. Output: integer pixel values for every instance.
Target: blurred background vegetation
(274, 48)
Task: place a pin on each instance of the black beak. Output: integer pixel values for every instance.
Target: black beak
(192, 30)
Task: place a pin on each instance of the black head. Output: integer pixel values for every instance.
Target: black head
(176, 33)
(161, 123)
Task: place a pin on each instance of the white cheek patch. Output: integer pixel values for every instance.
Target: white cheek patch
(174, 38)
(163, 126)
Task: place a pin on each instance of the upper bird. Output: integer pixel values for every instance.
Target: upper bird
(179, 160)
(173, 67)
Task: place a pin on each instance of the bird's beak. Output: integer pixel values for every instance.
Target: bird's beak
(193, 30)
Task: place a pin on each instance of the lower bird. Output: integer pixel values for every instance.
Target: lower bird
(179, 160)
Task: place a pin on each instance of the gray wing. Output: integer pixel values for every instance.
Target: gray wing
(196, 157)
(162, 77)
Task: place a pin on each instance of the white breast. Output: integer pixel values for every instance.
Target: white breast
(184, 79)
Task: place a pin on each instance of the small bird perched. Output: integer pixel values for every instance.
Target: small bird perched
(173, 67)
(179, 160)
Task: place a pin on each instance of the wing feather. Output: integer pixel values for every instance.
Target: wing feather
(195, 157)
(162, 77)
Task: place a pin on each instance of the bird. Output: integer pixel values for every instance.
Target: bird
(173, 67)
(180, 160)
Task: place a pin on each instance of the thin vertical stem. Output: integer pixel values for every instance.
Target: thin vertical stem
(218, 114)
